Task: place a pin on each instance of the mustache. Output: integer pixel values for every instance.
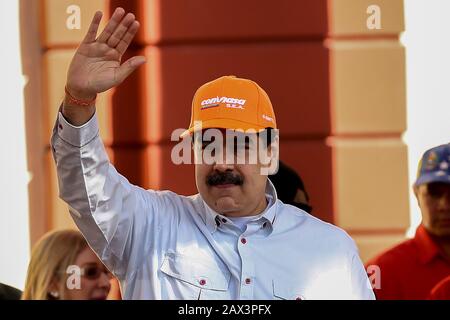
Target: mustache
(227, 177)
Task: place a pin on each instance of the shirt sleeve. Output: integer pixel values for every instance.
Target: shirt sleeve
(120, 221)
(362, 288)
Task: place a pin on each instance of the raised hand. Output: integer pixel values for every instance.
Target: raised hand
(96, 66)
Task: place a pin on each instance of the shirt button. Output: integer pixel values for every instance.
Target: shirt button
(248, 281)
(264, 224)
(202, 282)
(243, 241)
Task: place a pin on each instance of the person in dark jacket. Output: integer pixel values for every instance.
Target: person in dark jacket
(290, 188)
(9, 293)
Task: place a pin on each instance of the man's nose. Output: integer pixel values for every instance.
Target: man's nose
(223, 166)
(222, 162)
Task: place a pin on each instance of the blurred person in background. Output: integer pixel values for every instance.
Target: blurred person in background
(290, 188)
(9, 293)
(411, 269)
(55, 258)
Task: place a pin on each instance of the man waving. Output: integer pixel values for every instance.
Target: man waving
(232, 240)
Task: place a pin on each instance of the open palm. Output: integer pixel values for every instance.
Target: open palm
(96, 66)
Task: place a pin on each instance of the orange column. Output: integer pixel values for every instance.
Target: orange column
(54, 51)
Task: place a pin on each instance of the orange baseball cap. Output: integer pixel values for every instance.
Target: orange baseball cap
(231, 103)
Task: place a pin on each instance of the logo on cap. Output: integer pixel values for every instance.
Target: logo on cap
(267, 118)
(432, 161)
(216, 101)
(434, 166)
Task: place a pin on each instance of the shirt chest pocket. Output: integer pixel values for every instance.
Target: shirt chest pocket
(189, 278)
(285, 291)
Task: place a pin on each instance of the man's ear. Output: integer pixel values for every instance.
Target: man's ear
(274, 155)
(416, 193)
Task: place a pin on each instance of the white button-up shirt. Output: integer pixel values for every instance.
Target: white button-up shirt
(161, 245)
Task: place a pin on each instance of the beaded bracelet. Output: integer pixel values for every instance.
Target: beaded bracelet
(79, 102)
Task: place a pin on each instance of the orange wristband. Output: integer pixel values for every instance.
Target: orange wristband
(79, 102)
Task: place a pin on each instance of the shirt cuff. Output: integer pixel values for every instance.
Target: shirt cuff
(77, 136)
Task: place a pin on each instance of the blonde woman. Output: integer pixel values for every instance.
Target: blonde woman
(63, 267)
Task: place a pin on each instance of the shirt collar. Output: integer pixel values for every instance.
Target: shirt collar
(428, 249)
(212, 218)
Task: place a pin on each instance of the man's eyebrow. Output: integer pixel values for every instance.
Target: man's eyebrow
(89, 264)
(239, 139)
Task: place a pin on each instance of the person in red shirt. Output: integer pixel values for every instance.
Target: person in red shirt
(411, 269)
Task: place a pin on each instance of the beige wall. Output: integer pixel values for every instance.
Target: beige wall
(369, 117)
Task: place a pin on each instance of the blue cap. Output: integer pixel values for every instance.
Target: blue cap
(434, 166)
